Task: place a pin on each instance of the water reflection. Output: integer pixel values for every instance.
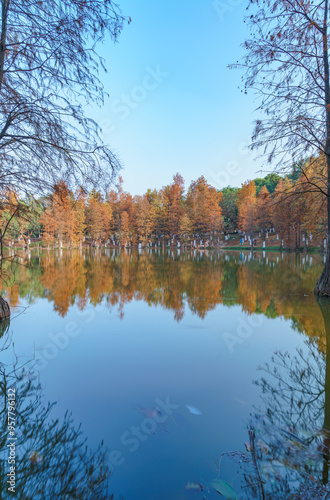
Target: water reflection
(288, 449)
(287, 442)
(42, 458)
(279, 285)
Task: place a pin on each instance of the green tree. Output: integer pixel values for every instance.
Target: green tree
(229, 208)
(270, 181)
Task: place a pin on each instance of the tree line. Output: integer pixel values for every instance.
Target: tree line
(170, 216)
(293, 206)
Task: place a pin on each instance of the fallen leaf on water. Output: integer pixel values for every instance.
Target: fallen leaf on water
(224, 489)
(193, 410)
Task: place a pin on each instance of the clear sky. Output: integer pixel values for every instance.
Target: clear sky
(174, 106)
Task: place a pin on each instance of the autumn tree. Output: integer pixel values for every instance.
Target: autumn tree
(287, 65)
(263, 211)
(203, 204)
(63, 219)
(185, 228)
(98, 217)
(63, 213)
(123, 212)
(113, 198)
(145, 218)
(48, 74)
(280, 208)
(127, 210)
(159, 200)
(247, 213)
(296, 209)
(176, 208)
(48, 230)
(124, 228)
(80, 215)
(308, 186)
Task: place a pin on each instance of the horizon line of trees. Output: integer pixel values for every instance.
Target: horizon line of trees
(169, 215)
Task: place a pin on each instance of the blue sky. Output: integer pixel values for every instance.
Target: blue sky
(174, 106)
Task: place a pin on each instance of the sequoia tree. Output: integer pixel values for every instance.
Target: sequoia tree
(48, 74)
(287, 66)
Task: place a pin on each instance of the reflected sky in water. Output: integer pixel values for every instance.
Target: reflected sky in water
(156, 354)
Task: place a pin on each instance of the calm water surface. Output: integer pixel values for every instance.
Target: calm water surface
(159, 356)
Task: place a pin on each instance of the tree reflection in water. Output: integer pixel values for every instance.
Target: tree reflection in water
(280, 285)
(288, 452)
(52, 458)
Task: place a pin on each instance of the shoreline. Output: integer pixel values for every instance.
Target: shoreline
(181, 249)
(276, 249)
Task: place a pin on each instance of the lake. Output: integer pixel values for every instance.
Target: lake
(201, 373)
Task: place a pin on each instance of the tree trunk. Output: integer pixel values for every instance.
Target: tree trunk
(323, 285)
(324, 304)
(4, 309)
(297, 237)
(3, 40)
